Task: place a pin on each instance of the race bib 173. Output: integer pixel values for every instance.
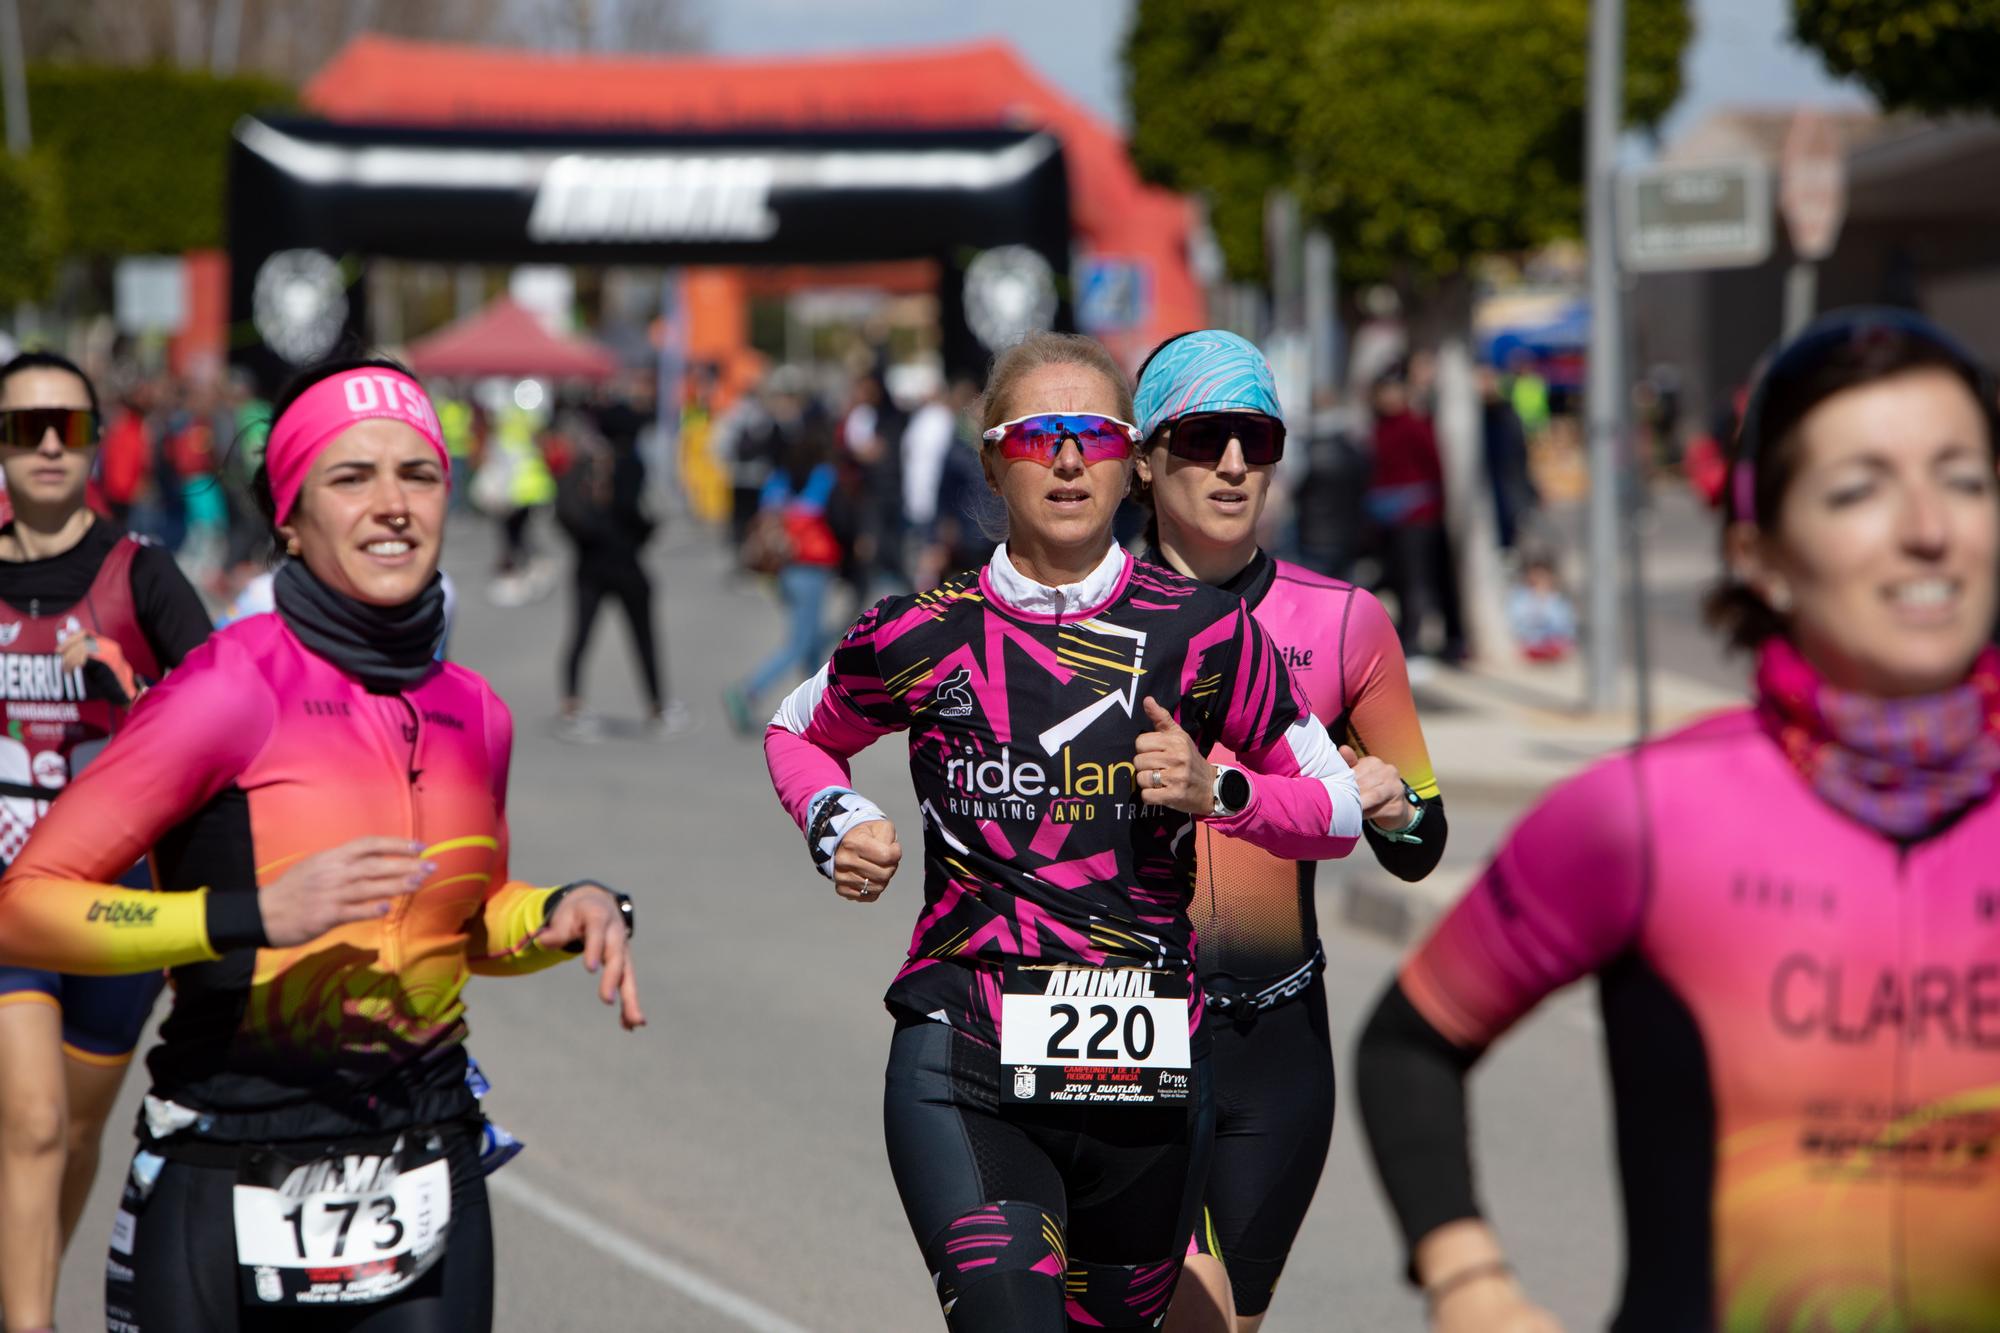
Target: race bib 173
(345, 1229)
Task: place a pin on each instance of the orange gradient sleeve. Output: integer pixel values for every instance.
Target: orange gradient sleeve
(503, 943)
(1384, 717)
(187, 740)
(1561, 898)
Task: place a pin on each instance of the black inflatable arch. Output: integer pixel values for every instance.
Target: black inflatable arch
(311, 201)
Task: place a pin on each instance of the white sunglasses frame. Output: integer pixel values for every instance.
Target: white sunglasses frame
(994, 434)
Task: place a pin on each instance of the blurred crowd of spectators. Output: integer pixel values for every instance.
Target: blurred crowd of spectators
(827, 481)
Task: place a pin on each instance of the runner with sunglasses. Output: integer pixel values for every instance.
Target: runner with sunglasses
(327, 805)
(88, 617)
(1048, 1108)
(1214, 434)
(1790, 908)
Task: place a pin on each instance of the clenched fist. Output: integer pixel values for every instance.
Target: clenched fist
(866, 861)
(1383, 801)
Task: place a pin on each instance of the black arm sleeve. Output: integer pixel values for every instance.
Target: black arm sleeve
(1410, 1081)
(1411, 861)
(235, 921)
(170, 611)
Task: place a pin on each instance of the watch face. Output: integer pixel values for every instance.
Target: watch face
(1235, 789)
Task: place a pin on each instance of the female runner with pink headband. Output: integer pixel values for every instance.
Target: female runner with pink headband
(329, 807)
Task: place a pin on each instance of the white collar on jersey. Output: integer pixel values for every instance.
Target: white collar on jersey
(1018, 591)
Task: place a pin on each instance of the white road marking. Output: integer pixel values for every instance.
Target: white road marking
(667, 1272)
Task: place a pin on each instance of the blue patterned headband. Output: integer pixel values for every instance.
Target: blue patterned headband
(1209, 370)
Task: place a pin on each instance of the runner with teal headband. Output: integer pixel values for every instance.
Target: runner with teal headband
(1215, 432)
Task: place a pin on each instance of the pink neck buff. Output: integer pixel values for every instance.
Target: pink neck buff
(1900, 766)
(371, 393)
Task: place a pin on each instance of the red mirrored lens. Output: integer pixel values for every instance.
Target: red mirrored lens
(1204, 437)
(1040, 439)
(24, 427)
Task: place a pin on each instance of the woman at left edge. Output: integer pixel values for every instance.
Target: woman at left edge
(90, 616)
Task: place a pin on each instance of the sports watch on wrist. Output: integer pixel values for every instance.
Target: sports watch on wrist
(1231, 792)
(625, 912)
(1407, 833)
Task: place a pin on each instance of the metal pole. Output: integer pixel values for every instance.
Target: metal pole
(1322, 310)
(1281, 244)
(468, 290)
(1636, 583)
(668, 373)
(1637, 503)
(1606, 385)
(1205, 259)
(14, 79)
(14, 98)
(1801, 295)
(228, 38)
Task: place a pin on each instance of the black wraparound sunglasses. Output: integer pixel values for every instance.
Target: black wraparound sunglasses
(25, 427)
(1203, 437)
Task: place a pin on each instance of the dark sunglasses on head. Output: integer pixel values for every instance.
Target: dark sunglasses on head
(25, 427)
(1039, 438)
(1203, 437)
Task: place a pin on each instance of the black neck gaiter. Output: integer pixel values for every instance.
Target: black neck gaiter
(389, 648)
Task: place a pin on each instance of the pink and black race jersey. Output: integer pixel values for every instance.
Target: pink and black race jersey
(1802, 1019)
(1023, 709)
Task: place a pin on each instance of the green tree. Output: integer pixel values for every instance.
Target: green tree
(1213, 86)
(1933, 56)
(142, 154)
(1422, 132)
(30, 227)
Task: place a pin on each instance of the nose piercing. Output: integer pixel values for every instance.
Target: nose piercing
(397, 522)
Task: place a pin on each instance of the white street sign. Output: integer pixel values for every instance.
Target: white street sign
(1715, 215)
(1812, 184)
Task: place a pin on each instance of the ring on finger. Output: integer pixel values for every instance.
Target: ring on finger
(1159, 777)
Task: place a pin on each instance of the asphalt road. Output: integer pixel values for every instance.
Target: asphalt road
(724, 1168)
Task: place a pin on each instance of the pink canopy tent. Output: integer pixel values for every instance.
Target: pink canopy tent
(506, 339)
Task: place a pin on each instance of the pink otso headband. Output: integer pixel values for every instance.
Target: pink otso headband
(370, 393)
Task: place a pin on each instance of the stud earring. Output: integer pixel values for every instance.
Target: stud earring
(292, 546)
(1780, 600)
